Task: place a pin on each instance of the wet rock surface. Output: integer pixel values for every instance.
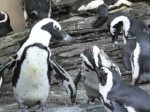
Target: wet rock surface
(68, 56)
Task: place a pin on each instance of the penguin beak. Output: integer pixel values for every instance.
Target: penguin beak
(73, 99)
(115, 39)
(98, 72)
(65, 35)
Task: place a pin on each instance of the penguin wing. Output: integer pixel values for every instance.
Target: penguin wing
(66, 80)
(9, 64)
(118, 107)
(117, 102)
(128, 48)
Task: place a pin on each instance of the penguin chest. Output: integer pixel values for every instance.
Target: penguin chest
(33, 83)
(91, 84)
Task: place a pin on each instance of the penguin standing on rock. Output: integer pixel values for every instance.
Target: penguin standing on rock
(120, 96)
(5, 26)
(91, 58)
(136, 49)
(33, 65)
(36, 9)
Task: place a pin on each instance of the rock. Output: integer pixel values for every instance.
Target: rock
(68, 56)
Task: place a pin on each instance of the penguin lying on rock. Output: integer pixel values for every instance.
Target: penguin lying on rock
(136, 49)
(109, 7)
(36, 10)
(5, 26)
(120, 96)
(33, 66)
(91, 57)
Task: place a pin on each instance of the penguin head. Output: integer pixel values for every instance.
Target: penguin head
(5, 22)
(4, 17)
(116, 23)
(109, 76)
(94, 57)
(90, 57)
(48, 28)
(54, 28)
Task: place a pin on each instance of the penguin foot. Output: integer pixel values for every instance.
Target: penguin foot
(22, 108)
(42, 107)
(134, 82)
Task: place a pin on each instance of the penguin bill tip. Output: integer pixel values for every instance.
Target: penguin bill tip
(68, 38)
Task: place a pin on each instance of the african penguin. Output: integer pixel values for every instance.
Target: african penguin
(109, 7)
(33, 65)
(136, 49)
(93, 57)
(36, 10)
(5, 26)
(120, 96)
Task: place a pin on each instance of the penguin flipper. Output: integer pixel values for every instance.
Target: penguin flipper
(5, 66)
(66, 80)
(128, 48)
(117, 107)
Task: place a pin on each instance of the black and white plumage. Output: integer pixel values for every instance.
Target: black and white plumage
(120, 96)
(110, 7)
(93, 58)
(33, 65)
(36, 9)
(66, 80)
(85, 5)
(5, 26)
(136, 47)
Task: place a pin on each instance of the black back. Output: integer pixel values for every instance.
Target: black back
(128, 95)
(40, 6)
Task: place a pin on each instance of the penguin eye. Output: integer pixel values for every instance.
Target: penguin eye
(114, 29)
(55, 27)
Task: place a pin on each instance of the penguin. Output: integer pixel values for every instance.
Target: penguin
(110, 7)
(35, 10)
(136, 48)
(119, 95)
(84, 5)
(33, 65)
(5, 26)
(91, 57)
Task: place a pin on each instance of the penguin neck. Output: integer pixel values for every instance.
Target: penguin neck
(42, 37)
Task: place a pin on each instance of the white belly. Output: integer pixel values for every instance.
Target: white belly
(33, 84)
(91, 84)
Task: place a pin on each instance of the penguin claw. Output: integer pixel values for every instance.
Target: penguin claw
(23, 109)
(42, 107)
